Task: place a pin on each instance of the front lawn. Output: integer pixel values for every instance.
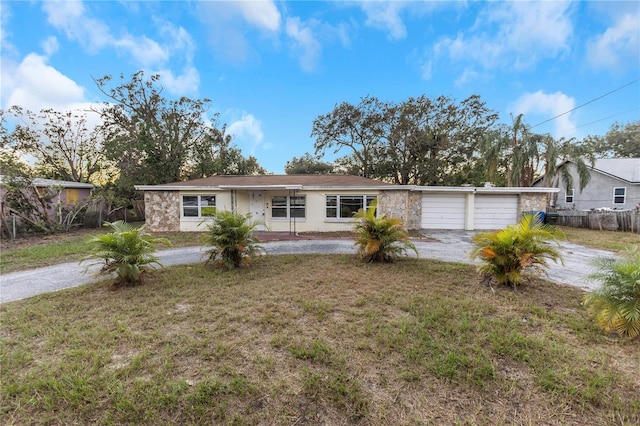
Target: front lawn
(314, 340)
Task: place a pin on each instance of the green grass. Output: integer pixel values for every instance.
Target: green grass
(603, 240)
(52, 250)
(313, 340)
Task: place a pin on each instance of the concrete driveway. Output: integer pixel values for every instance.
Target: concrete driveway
(451, 246)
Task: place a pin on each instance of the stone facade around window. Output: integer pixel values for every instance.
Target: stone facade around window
(162, 211)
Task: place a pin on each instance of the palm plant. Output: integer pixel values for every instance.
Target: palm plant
(505, 254)
(379, 238)
(231, 240)
(616, 303)
(127, 251)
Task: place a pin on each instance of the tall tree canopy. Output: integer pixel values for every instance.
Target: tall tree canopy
(419, 141)
(621, 141)
(62, 144)
(307, 165)
(155, 140)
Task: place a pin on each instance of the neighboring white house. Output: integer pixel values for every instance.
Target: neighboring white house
(614, 184)
(325, 203)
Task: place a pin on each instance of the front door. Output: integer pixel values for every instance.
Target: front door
(257, 208)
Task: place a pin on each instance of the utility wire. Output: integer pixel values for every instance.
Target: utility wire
(587, 103)
(605, 118)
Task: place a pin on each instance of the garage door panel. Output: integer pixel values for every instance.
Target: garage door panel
(443, 211)
(495, 211)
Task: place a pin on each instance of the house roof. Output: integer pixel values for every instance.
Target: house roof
(627, 169)
(258, 182)
(46, 183)
(63, 183)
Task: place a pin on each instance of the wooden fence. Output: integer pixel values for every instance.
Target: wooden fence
(623, 221)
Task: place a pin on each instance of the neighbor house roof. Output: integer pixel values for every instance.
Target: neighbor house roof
(47, 183)
(62, 183)
(627, 169)
(258, 182)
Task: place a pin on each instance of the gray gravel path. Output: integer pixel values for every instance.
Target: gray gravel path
(452, 246)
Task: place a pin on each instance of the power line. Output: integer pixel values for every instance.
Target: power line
(587, 103)
(605, 118)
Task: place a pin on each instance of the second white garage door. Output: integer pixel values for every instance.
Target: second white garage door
(443, 211)
(495, 211)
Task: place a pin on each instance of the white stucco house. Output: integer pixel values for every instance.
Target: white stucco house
(614, 184)
(325, 203)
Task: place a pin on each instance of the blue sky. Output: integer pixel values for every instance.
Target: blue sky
(270, 67)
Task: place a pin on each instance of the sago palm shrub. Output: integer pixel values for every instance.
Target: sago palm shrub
(616, 303)
(380, 238)
(127, 251)
(526, 246)
(231, 239)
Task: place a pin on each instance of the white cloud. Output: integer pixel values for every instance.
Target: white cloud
(229, 23)
(385, 16)
(426, 70)
(186, 83)
(263, 14)
(467, 75)
(304, 42)
(517, 34)
(69, 17)
(549, 105)
(619, 46)
(145, 51)
(37, 85)
(247, 129)
(50, 46)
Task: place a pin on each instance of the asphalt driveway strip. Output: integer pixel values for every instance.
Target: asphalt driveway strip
(449, 246)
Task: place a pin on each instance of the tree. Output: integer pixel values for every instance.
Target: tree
(61, 143)
(307, 165)
(358, 128)
(432, 141)
(380, 238)
(621, 141)
(148, 136)
(215, 155)
(231, 240)
(518, 157)
(420, 141)
(127, 251)
(506, 253)
(616, 303)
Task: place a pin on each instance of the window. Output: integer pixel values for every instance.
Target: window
(72, 196)
(345, 206)
(198, 205)
(284, 207)
(569, 196)
(619, 195)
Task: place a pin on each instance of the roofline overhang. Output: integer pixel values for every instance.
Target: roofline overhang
(461, 189)
(487, 190)
(262, 188)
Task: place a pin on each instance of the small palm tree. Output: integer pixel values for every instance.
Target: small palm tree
(616, 303)
(127, 251)
(379, 238)
(506, 253)
(231, 240)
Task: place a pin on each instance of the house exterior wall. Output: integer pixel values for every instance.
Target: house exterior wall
(162, 211)
(598, 193)
(315, 219)
(532, 201)
(403, 204)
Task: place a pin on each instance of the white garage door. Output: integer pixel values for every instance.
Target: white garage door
(495, 211)
(443, 211)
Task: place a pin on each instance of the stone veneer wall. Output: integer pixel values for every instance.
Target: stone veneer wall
(532, 201)
(402, 204)
(162, 211)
